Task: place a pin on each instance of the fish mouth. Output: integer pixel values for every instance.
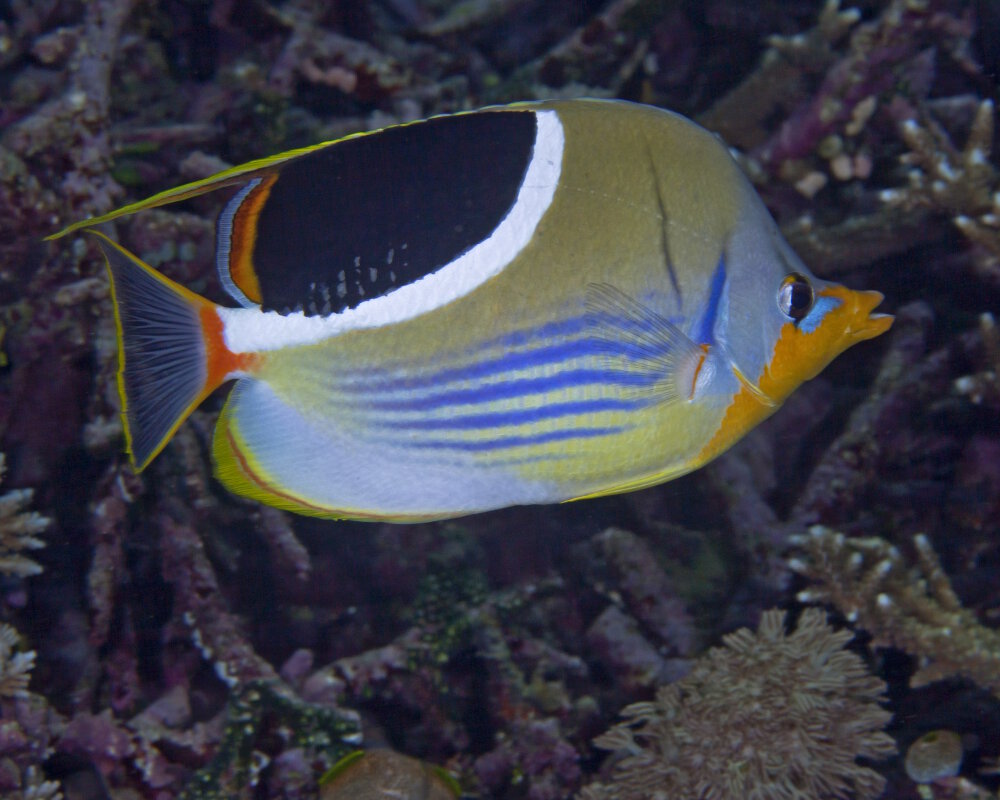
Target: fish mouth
(861, 322)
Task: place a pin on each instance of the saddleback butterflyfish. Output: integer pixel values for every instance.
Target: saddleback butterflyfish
(524, 304)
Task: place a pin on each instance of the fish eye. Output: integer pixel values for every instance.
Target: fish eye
(795, 297)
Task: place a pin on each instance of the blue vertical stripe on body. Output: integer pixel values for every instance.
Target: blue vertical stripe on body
(705, 333)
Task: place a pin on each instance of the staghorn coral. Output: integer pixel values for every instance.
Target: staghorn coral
(962, 184)
(327, 734)
(740, 115)
(324, 57)
(597, 59)
(837, 96)
(15, 667)
(769, 715)
(844, 100)
(645, 589)
(909, 606)
(19, 531)
(33, 786)
(983, 386)
(840, 484)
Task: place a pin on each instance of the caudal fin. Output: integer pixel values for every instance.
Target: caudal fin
(167, 359)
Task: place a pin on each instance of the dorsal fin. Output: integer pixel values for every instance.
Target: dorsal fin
(234, 176)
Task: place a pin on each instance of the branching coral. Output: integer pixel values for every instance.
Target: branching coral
(909, 606)
(81, 114)
(15, 667)
(983, 386)
(839, 485)
(597, 59)
(324, 57)
(35, 787)
(838, 100)
(769, 715)
(19, 531)
(846, 98)
(960, 183)
(740, 115)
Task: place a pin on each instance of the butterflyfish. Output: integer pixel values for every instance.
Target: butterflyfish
(523, 304)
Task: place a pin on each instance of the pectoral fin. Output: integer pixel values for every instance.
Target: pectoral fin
(635, 339)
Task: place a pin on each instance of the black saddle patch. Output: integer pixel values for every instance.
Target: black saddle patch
(364, 216)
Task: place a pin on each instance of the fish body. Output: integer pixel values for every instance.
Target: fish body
(525, 304)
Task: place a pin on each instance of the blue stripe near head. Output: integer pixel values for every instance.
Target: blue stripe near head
(705, 331)
(823, 306)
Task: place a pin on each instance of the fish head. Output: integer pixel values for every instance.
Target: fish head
(785, 325)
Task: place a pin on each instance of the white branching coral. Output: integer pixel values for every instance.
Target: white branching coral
(770, 715)
(34, 786)
(908, 605)
(962, 183)
(15, 666)
(19, 531)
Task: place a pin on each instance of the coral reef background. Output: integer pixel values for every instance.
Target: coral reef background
(160, 638)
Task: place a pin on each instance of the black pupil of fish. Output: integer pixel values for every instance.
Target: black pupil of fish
(796, 297)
